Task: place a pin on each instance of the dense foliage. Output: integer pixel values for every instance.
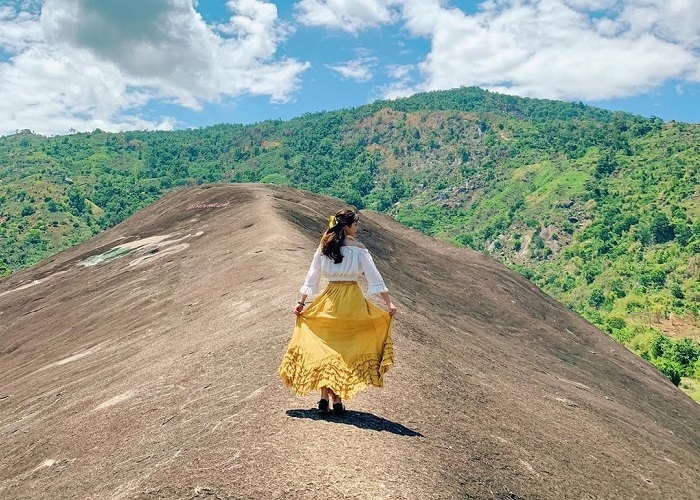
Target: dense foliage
(600, 209)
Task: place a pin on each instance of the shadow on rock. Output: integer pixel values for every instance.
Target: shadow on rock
(360, 419)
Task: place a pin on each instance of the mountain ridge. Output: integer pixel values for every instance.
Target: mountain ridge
(152, 373)
(601, 209)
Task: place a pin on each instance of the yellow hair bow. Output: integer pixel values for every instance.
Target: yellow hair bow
(332, 222)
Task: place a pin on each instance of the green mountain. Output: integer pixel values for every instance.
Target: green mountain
(600, 209)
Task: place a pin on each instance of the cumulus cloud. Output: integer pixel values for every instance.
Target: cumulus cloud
(547, 48)
(400, 84)
(677, 21)
(347, 15)
(359, 69)
(84, 64)
(591, 5)
(561, 49)
(399, 71)
(17, 29)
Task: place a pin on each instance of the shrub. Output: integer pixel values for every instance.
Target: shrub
(517, 242)
(643, 234)
(660, 344)
(569, 283)
(616, 326)
(683, 232)
(617, 287)
(694, 370)
(465, 239)
(685, 352)
(614, 323)
(597, 298)
(624, 336)
(53, 206)
(661, 228)
(4, 269)
(27, 210)
(592, 315)
(654, 278)
(671, 369)
(677, 291)
(591, 271)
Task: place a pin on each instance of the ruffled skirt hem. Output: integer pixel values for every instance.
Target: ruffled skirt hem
(345, 379)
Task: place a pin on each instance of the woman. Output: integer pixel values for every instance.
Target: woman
(342, 342)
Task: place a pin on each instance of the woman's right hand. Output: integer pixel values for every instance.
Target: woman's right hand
(391, 308)
(298, 309)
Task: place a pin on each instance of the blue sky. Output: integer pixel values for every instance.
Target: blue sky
(161, 64)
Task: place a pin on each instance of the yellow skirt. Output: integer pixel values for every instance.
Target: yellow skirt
(341, 341)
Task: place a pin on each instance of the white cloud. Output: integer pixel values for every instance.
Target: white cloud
(347, 15)
(88, 63)
(677, 21)
(91, 63)
(359, 69)
(17, 29)
(399, 71)
(591, 5)
(562, 49)
(401, 82)
(396, 90)
(555, 49)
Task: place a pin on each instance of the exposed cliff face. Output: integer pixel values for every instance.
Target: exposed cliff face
(142, 364)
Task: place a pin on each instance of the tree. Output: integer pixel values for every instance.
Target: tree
(661, 228)
(685, 352)
(660, 345)
(76, 200)
(597, 298)
(27, 210)
(606, 165)
(4, 268)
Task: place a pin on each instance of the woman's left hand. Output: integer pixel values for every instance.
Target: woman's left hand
(391, 309)
(298, 309)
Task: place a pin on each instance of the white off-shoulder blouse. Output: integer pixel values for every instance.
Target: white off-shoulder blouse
(356, 261)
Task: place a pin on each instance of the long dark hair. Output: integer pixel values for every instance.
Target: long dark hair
(333, 238)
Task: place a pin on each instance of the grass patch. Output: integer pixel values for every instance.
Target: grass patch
(691, 387)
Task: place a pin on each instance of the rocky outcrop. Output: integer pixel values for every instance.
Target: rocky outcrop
(150, 371)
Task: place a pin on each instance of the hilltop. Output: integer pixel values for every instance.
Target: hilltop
(142, 364)
(599, 209)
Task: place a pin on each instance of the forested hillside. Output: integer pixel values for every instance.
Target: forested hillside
(600, 209)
